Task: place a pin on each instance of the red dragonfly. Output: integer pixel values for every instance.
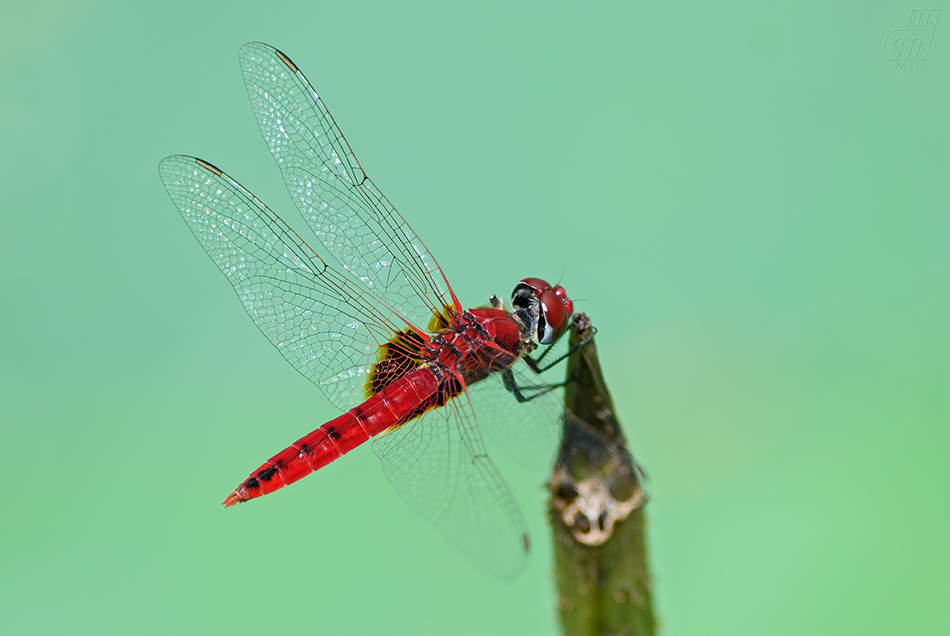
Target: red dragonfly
(386, 339)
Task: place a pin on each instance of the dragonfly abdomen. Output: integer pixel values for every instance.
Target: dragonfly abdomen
(399, 402)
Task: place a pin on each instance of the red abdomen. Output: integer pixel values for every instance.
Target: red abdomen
(399, 402)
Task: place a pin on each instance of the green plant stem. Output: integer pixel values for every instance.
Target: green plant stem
(602, 588)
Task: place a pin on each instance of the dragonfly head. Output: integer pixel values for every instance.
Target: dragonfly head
(545, 309)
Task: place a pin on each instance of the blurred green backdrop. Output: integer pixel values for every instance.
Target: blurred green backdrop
(751, 203)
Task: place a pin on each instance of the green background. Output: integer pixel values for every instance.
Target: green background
(751, 203)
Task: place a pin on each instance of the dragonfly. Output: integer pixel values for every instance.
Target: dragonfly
(383, 336)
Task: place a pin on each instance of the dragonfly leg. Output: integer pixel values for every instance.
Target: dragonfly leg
(537, 364)
(528, 392)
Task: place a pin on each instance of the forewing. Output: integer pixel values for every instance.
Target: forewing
(325, 325)
(349, 215)
(438, 464)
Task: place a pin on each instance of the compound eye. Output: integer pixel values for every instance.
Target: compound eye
(537, 284)
(554, 317)
(554, 305)
(525, 289)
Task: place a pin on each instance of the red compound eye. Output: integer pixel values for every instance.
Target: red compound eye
(556, 308)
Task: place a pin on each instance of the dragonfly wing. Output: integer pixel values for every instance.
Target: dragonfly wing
(528, 432)
(325, 325)
(438, 464)
(533, 432)
(349, 215)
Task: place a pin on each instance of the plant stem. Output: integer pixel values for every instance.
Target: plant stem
(597, 509)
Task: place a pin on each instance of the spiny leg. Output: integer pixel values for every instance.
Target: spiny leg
(521, 393)
(536, 363)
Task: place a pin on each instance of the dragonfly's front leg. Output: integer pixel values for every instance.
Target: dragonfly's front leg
(536, 364)
(528, 393)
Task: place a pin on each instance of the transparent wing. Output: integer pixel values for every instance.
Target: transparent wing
(438, 464)
(530, 431)
(346, 211)
(325, 325)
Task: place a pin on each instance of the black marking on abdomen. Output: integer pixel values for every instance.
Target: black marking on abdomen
(268, 473)
(448, 389)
